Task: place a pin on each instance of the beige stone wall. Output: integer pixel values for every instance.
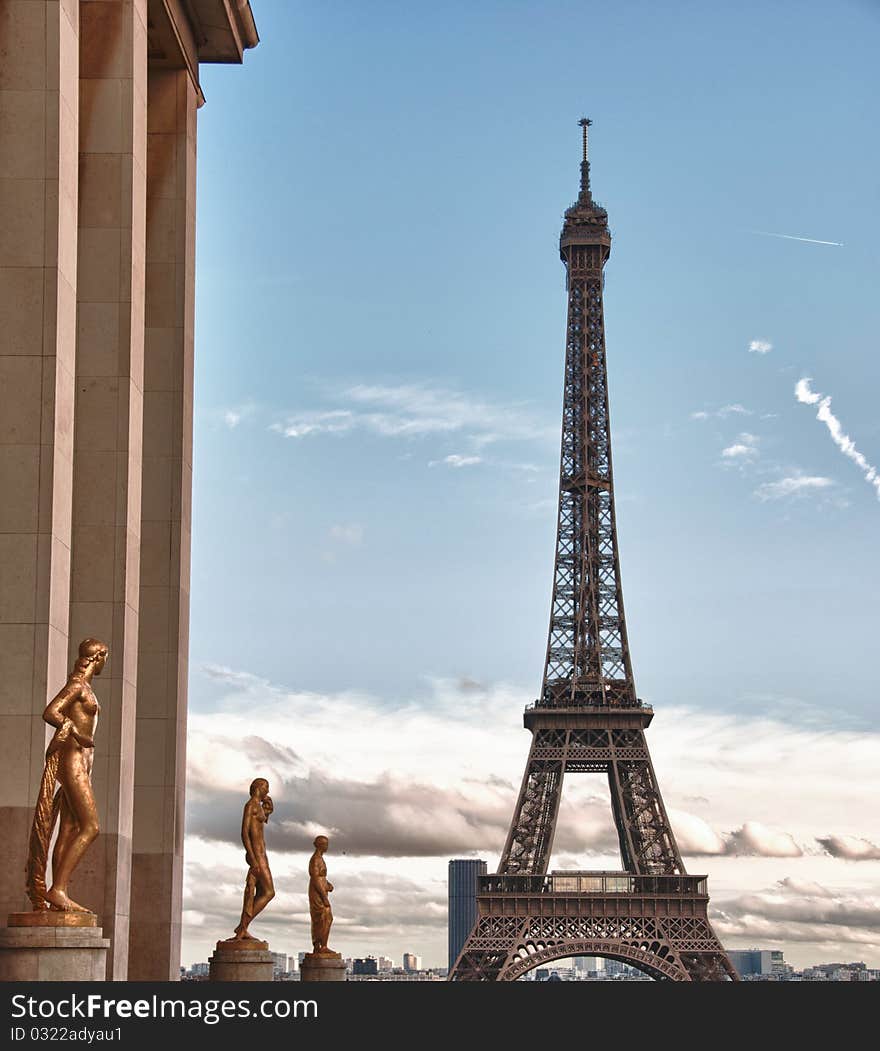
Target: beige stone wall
(160, 766)
(96, 371)
(39, 108)
(105, 566)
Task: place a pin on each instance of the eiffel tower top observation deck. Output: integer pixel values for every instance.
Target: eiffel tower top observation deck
(588, 661)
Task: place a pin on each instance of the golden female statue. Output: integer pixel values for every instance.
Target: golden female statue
(319, 900)
(259, 889)
(74, 714)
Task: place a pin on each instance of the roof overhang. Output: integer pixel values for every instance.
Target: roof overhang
(184, 33)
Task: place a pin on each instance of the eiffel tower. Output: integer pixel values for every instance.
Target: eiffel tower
(588, 718)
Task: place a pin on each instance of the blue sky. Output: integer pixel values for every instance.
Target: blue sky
(379, 349)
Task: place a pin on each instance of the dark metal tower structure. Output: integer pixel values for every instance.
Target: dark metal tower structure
(588, 717)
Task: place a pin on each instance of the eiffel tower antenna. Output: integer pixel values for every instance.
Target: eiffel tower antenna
(588, 717)
(585, 123)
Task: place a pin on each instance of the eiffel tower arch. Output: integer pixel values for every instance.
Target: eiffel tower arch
(588, 718)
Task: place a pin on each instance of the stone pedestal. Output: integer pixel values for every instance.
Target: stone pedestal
(322, 967)
(241, 960)
(52, 946)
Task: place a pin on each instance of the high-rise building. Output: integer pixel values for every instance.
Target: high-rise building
(462, 885)
(757, 961)
(386, 963)
(367, 966)
(279, 964)
(411, 962)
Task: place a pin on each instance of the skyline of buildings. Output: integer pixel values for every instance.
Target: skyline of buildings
(752, 965)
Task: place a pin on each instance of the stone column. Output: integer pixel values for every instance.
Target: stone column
(160, 758)
(39, 109)
(105, 568)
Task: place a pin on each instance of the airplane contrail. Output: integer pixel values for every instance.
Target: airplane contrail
(806, 396)
(791, 237)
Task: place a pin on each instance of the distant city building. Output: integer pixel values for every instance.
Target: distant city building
(279, 963)
(199, 970)
(370, 965)
(830, 968)
(775, 969)
(757, 961)
(386, 963)
(463, 874)
(411, 962)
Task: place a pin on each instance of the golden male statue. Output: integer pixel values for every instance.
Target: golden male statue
(319, 898)
(259, 889)
(74, 714)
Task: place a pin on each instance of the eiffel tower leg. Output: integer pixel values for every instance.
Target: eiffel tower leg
(647, 844)
(709, 967)
(697, 947)
(534, 821)
(486, 953)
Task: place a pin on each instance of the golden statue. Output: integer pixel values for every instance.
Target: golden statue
(319, 899)
(259, 889)
(74, 714)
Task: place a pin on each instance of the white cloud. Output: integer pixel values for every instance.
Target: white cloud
(803, 393)
(336, 422)
(832, 921)
(852, 848)
(694, 835)
(351, 534)
(417, 411)
(744, 448)
(457, 460)
(806, 396)
(760, 346)
(791, 486)
(757, 839)
(722, 413)
(236, 414)
(437, 777)
(738, 451)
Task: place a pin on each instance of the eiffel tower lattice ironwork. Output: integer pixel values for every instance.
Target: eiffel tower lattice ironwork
(588, 718)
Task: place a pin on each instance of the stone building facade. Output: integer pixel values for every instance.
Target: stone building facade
(98, 107)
